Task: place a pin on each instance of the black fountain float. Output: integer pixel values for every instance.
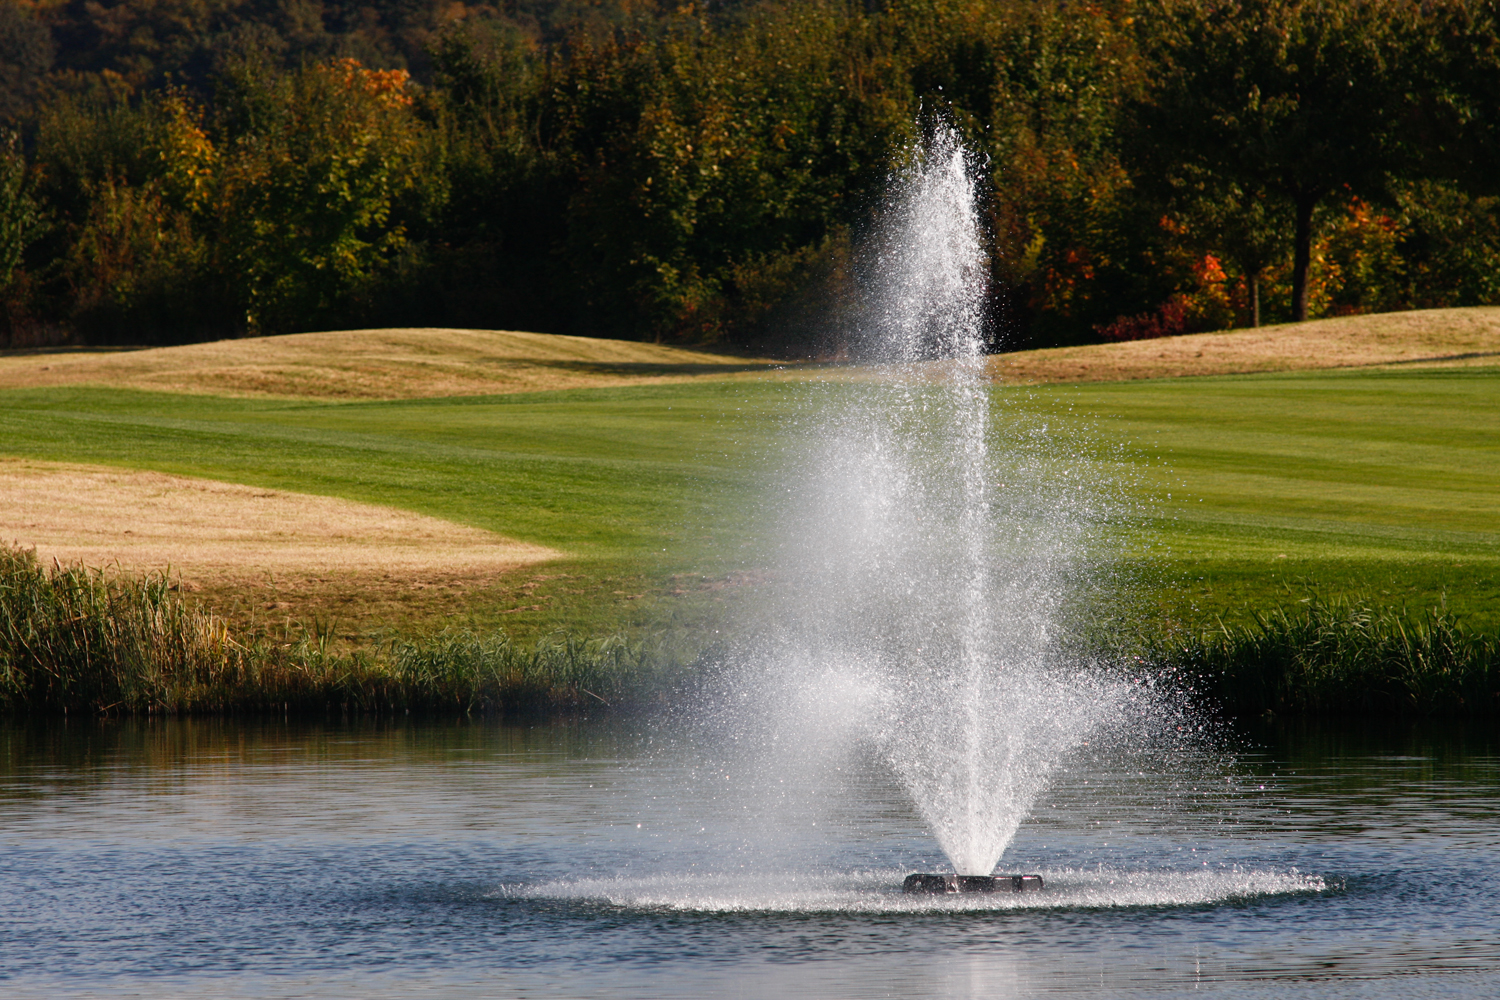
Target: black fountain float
(938, 885)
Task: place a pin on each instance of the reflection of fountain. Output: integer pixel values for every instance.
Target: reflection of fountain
(930, 553)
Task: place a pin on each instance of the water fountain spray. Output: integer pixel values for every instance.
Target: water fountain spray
(931, 552)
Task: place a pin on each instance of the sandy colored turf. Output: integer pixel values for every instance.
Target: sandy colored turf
(415, 363)
(1436, 337)
(215, 533)
(376, 364)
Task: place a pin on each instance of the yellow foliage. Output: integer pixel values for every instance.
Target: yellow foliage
(188, 155)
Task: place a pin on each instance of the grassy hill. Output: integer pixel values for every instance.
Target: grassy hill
(1377, 479)
(375, 364)
(422, 363)
(1425, 339)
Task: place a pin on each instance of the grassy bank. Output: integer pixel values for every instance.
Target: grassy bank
(375, 364)
(1412, 339)
(1341, 657)
(425, 363)
(78, 640)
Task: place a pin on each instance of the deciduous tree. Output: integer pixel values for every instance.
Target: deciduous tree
(1294, 99)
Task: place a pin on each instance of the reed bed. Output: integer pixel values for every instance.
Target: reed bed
(74, 639)
(1342, 657)
(79, 640)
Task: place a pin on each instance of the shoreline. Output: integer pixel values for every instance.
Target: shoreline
(82, 642)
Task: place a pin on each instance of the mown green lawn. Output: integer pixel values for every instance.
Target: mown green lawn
(1383, 483)
(636, 485)
(1387, 483)
(599, 473)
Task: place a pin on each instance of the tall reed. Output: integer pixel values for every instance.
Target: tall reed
(1339, 656)
(72, 638)
(79, 640)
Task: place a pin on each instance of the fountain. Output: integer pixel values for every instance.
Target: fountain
(931, 556)
(944, 884)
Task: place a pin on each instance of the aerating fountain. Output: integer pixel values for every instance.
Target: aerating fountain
(935, 541)
(937, 885)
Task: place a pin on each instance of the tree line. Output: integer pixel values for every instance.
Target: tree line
(176, 170)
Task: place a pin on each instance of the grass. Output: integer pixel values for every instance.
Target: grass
(1343, 658)
(1375, 485)
(74, 639)
(374, 364)
(1254, 488)
(598, 473)
(635, 485)
(1269, 487)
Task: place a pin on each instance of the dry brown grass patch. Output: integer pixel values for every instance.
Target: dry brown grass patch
(1429, 338)
(414, 363)
(377, 364)
(221, 534)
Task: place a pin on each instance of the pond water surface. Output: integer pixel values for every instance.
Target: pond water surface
(192, 858)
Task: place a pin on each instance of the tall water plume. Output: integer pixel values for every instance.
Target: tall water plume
(931, 550)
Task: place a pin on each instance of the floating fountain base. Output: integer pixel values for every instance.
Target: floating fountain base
(938, 885)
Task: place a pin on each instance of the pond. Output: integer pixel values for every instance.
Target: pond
(254, 859)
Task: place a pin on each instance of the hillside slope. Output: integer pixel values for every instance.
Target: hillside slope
(375, 364)
(1429, 338)
(424, 363)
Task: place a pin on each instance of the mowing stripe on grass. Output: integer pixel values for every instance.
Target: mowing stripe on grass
(1386, 481)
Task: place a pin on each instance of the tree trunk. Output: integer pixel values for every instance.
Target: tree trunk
(1255, 299)
(1302, 256)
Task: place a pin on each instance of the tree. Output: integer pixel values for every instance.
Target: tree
(1459, 121)
(21, 220)
(1253, 100)
(26, 53)
(306, 200)
(711, 168)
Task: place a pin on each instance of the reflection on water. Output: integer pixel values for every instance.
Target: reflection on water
(231, 859)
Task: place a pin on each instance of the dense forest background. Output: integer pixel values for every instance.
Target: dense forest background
(176, 170)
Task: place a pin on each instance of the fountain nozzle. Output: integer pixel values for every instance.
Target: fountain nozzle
(938, 885)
